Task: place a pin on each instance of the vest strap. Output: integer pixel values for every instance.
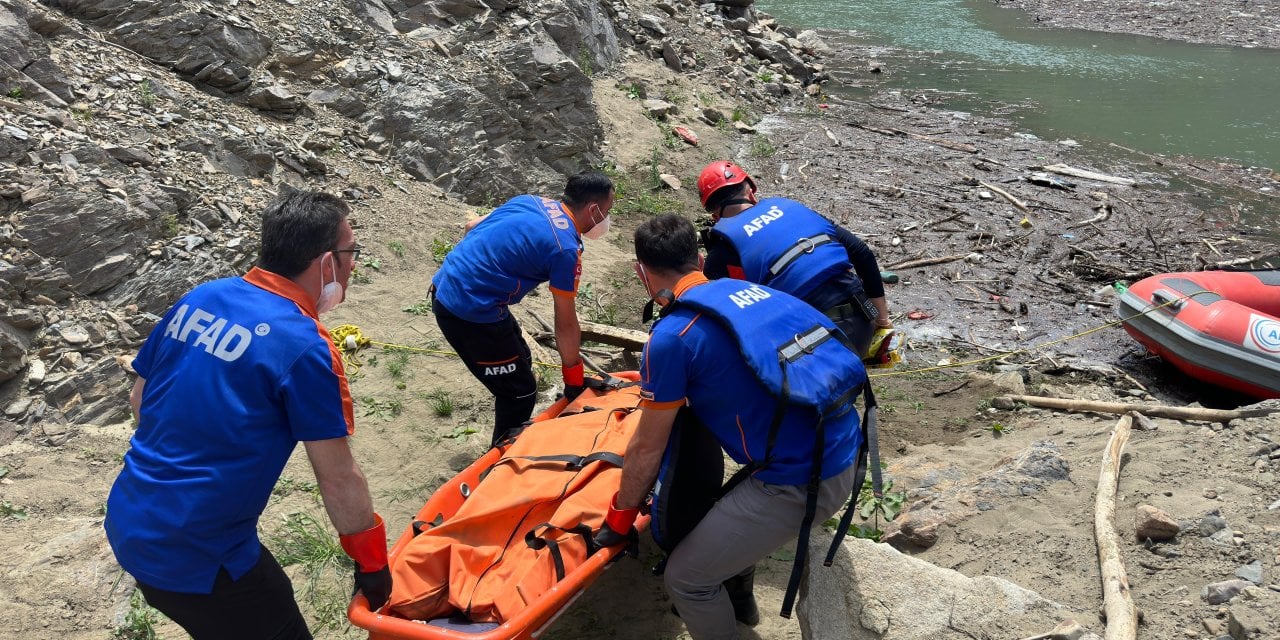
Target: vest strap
(801, 247)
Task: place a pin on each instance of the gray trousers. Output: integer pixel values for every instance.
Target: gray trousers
(741, 529)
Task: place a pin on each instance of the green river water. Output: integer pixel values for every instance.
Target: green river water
(1153, 95)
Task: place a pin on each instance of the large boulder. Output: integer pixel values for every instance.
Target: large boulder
(25, 66)
(94, 237)
(874, 592)
(519, 125)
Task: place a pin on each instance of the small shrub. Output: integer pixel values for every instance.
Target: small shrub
(146, 94)
(439, 249)
(441, 403)
(762, 147)
(15, 93)
(419, 308)
(139, 622)
(10, 510)
(396, 248)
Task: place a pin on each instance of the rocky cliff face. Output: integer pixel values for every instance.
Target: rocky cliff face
(138, 140)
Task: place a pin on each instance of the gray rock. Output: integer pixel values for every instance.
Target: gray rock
(1220, 592)
(778, 52)
(659, 108)
(810, 40)
(672, 57)
(96, 396)
(1151, 523)
(1251, 572)
(13, 352)
(1212, 524)
(73, 334)
(874, 591)
(653, 24)
(1255, 615)
(129, 155)
(275, 98)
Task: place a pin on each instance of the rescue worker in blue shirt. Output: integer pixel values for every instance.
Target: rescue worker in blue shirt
(783, 244)
(691, 359)
(502, 256)
(231, 379)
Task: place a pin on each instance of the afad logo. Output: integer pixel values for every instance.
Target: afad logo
(1264, 333)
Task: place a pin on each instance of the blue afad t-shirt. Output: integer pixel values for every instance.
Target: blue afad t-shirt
(694, 358)
(236, 374)
(525, 242)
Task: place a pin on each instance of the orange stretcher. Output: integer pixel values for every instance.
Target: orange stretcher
(447, 564)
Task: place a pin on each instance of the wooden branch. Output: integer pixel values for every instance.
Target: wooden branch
(925, 262)
(1239, 261)
(616, 336)
(1104, 212)
(956, 146)
(1157, 410)
(1117, 601)
(1018, 204)
(1064, 170)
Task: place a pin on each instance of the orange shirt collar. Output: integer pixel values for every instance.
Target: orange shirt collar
(284, 288)
(689, 281)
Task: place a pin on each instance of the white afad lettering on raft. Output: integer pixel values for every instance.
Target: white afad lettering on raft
(216, 338)
(760, 221)
(749, 296)
(500, 369)
(1264, 334)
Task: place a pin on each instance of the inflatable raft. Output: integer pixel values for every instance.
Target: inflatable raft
(501, 549)
(1222, 327)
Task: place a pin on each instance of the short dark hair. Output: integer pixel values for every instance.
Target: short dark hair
(298, 226)
(588, 186)
(725, 194)
(668, 243)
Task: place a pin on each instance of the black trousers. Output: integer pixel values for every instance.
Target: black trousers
(259, 605)
(496, 354)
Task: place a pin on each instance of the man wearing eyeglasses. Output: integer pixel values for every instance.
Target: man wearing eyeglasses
(523, 243)
(235, 375)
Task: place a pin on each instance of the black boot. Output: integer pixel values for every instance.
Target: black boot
(740, 589)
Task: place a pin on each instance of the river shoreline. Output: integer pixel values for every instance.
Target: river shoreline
(1234, 23)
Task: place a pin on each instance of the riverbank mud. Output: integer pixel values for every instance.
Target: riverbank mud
(1236, 23)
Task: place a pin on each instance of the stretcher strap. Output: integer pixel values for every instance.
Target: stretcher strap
(538, 543)
(571, 461)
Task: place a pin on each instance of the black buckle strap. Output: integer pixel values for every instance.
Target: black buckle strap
(801, 247)
(571, 462)
(868, 458)
(538, 543)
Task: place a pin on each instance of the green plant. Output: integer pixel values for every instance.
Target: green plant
(633, 91)
(887, 506)
(706, 99)
(303, 540)
(387, 410)
(15, 93)
(439, 249)
(441, 403)
(286, 486)
(998, 429)
(371, 262)
(81, 112)
(9, 510)
(396, 248)
(584, 59)
(397, 360)
(674, 97)
(460, 431)
(762, 147)
(146, 94)
(419, 308)
(359, 276)
(765, 76)
(598, 311)
(139, 622)
(169, 225)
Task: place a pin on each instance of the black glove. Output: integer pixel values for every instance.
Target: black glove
(572, 391)
(376, 586)
(607, 537)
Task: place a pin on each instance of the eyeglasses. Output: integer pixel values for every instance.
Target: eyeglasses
(354, 251)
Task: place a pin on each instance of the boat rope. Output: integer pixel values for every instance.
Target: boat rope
(350, 340)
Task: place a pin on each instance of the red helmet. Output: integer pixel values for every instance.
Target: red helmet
(720, 174)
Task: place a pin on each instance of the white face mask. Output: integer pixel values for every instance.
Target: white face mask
(331, 293)
(599, 230)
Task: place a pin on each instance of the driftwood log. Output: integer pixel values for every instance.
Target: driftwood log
(1117, 601)
(1157, 410)
(1065, 170)
(628, 339)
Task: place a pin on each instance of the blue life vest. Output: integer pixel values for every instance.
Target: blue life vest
(796, 352)
(785, 245)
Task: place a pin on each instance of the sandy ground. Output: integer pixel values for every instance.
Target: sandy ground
(59, 580)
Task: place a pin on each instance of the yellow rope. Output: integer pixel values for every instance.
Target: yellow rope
(349, 340)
